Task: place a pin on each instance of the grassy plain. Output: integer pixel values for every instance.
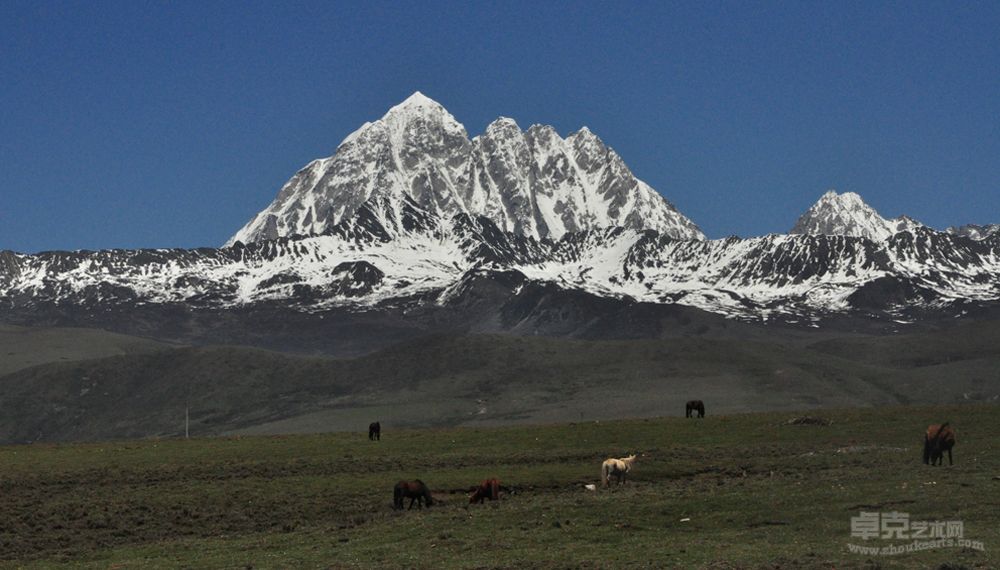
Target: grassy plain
(758, 493)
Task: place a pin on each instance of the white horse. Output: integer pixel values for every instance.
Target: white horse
(617, 468)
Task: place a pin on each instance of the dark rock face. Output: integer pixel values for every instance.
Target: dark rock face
(889, 292)
(355, 279)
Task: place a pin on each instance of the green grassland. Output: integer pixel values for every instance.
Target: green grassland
(759, 494)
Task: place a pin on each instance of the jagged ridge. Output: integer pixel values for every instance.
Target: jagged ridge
(393, 249)
(532, 183)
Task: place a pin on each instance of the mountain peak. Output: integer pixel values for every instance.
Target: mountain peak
(584, 133)
(535, 184)
(503, 123)
(843, 198)
(417, 100)
(416, 106)
(847, 214)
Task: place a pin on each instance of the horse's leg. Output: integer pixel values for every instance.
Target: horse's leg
(950, 462)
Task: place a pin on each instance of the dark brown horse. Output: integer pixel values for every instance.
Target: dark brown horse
(695, 406)
(415, 491)
(488, 489)
(374, 431)
(937, 440)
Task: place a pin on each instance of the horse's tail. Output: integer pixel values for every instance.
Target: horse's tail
(604, 474)
(927, 449)
(397, 496)
(494, 489)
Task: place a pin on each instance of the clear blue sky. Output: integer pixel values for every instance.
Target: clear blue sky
(133, 124)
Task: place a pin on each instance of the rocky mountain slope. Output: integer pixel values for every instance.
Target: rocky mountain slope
(974, 231)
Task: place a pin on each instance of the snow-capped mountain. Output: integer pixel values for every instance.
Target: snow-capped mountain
(392, 252)
(974, 231)
(848, 215)
(533, 183)
(412, 222)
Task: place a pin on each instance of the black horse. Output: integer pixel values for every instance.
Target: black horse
(415, 491)
(695, 406)
(374, 431)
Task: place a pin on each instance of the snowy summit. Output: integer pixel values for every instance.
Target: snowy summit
(533, 183)
(848, 215)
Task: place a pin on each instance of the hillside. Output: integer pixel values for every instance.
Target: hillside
(489, 380)
(24, 347)
(725, 492)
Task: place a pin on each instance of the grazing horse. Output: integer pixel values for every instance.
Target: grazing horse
(937, 440)
(695, 406)
(375, 431)
(617, 468)
(488, 489)
(415, 491)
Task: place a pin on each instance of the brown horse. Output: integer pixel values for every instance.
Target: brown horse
(937, 440)
(375, 431)
(415, 491)
(695, 406)
(488, 489)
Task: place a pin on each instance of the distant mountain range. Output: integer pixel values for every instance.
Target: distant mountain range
(413, 223)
